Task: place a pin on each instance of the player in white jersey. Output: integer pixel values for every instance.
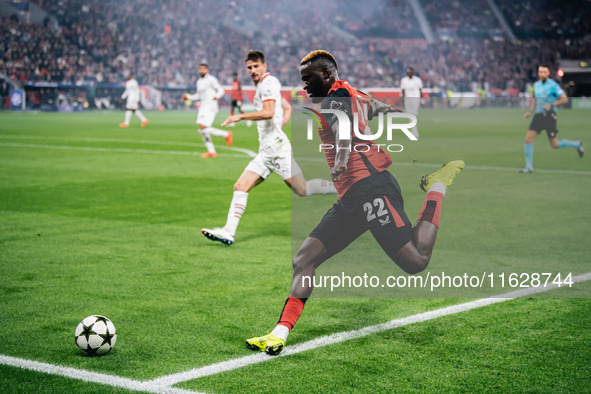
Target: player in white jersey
(272, 113)
(132, 94)
(412, 91)
(209, 91)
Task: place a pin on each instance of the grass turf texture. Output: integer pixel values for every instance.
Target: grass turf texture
(114, 230)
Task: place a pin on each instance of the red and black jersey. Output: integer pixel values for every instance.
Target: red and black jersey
(236, 91)
(365, 158)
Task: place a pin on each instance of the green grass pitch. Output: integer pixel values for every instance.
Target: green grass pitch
(95, 219)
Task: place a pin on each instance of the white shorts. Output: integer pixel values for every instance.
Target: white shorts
(412, 105)
(206, 117)
(132, 105)
(271, 160)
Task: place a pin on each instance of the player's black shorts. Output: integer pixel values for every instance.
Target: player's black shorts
(375, 204)
(545, 121)
(236, 103)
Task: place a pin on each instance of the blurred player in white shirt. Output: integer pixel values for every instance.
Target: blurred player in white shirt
(272, 113)
(209, 91)
(412, 91)
(132, 94)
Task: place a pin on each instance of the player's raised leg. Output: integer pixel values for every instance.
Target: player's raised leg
(415, 255)
(227, 135)
(141, 116)
(303, 188)
(564, 143)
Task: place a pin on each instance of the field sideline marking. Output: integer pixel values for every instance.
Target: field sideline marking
(122, 140)
(236, 363)
(124, 150)
(164, 384)
(248, 152)
(88, 376)
(485, 168)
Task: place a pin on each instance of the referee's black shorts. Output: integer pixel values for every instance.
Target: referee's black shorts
(374, 203)
(544, 121)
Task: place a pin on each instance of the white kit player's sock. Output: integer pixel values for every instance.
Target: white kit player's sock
(139, 114)
(127, 117)
(207, 141)
(237, 208)
(210, 147)
(216, 132)
(319, 186)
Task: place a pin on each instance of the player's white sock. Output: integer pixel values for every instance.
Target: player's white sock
(210, 147)
(280, 331)
(139, 114)
(207, 141)
(438, 187)
(237, 208)
(127, 117)
(319, 186)
(216, 132)
(415, 131)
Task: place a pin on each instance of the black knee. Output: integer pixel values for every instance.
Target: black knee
(300, 264)
(416, 265)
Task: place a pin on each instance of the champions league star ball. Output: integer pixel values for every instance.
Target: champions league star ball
(95, 335)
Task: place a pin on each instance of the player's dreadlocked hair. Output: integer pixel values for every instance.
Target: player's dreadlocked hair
(322, 56)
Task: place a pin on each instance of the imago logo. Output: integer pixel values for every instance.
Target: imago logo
(344, 129)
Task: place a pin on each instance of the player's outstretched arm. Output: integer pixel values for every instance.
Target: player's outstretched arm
(266, 113)
(192, 97)
(377, 106)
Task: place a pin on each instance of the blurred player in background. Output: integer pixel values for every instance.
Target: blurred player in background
(237, 96)
(548, 95)
(132, 94)
(412, 91)
(209, 91)
(369, 196)
(272, 113)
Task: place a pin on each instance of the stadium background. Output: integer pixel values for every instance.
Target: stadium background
(96, 219)
(70, 52)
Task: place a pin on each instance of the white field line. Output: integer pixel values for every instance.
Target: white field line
(485, 168)
(88, 376)
(248, 152)
(225, 366)
(125, 150)
(164, 384)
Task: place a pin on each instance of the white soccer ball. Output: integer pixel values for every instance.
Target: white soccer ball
(95, 335)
